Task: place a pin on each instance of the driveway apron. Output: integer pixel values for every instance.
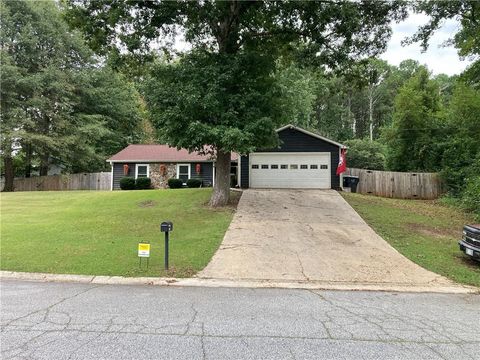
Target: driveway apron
(308, 235)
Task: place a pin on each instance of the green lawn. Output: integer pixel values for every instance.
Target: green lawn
(93, 232)
(426, 232)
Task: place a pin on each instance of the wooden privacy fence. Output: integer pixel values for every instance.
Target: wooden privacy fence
(82, 181)
(400, 185)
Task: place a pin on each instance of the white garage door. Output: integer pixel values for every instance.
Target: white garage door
(290, 170)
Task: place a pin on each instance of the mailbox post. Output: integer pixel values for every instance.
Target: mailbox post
(166, 227)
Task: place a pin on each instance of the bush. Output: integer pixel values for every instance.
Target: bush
(365, 154)
(194, 183)
(127, 183)
(471, 196)
(143, 183)
(175, 183)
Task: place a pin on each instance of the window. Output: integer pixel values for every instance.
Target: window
(283, 166)
(142, 170)
(183, 172)
(313, 167)
(294, 167)
(273, 166)
(303, 166)
(323, 166)
(264, 166)
(255, 166)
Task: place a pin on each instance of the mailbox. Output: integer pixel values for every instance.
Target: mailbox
(166, 226)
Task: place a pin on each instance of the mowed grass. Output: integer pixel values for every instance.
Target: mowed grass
(97, 232)
(426, 232)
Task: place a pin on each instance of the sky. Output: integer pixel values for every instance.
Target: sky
(438, 59)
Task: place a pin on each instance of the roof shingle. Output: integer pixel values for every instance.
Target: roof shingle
(159, 153)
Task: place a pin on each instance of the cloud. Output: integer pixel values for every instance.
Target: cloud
(438, 58)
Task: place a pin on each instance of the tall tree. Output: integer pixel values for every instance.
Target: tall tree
(109, 98)
(58, 103)
(42, 58)
(12, 115)
(461, 151)
(233, 33)
(417, 126)
(467, 36)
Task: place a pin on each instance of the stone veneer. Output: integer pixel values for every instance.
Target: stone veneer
(159, 180)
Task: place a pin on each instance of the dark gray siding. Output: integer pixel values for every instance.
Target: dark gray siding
(118, 173)
(292, 140)
(206, 173)
(244, 180)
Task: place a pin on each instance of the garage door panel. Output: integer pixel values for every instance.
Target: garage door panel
(287, 170)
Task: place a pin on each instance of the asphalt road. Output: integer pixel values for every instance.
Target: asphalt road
(81, 321)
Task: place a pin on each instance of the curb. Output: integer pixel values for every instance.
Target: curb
(237, 283)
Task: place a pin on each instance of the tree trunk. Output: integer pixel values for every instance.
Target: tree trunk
(9, 172)
(28, 160)
(43, 170)
(370, 111)
(351, 117)
(221, 189)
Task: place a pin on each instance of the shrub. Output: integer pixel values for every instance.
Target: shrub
(365, 154)
(175, 183)
(127, 183)
(143, 183)
(194, 183)
(471, 196)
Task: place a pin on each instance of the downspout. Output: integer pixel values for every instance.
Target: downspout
(213, 174)
(341, 175)
(239, 172)
(111, 176)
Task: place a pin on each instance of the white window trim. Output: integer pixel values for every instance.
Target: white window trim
(189, 170)
(136, 169)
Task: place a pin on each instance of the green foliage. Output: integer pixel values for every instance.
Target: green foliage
(143, 183)
(360, 96)
(411, 138)
(107, 96)
(471, 195)
(467, 36)
(356, 28)
(58, 103)
(44, 60)
(365, 154)
(297, 88)
(194, 183)
(461, 148)
(127, 183)
(175, 183)
(219, 99)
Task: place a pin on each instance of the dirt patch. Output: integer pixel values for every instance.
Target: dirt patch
(232, 203)
(147, 204)
(433, 231)
(184, 272)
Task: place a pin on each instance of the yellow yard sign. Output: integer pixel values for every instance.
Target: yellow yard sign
(143, 250)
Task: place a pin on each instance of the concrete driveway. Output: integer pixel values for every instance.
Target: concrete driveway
(309, 235)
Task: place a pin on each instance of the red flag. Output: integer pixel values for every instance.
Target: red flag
(342, 162)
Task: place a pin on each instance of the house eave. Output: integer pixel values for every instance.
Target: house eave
(158, 161)
(290, 126)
